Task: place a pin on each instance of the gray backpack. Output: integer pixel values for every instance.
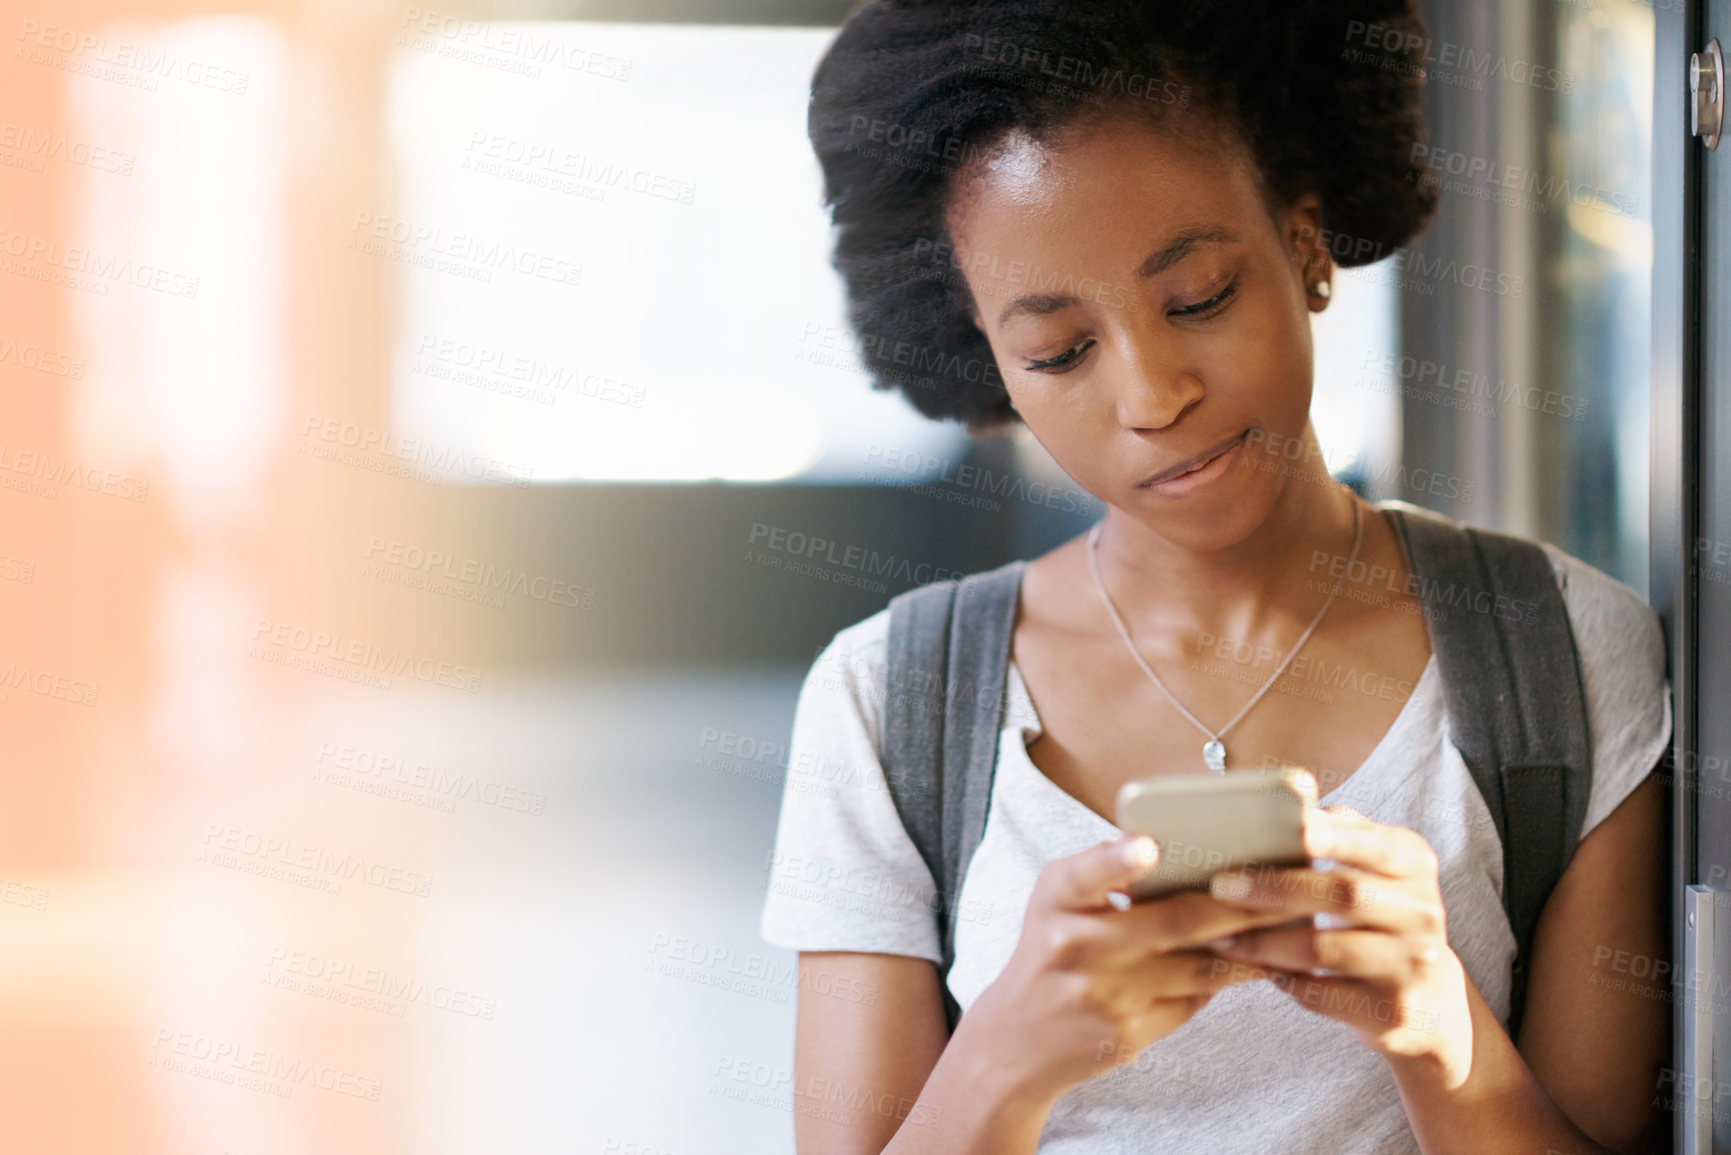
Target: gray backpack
(1512, 691)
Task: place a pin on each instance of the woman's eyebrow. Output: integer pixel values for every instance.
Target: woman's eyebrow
(1037, 305)
(1157, 262)
(1182, 246)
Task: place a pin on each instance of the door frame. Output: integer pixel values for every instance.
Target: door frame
(1674, 465)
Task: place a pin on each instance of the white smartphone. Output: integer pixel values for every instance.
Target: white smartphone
(1209, 823)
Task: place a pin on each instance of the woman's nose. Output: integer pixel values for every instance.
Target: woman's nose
(1151, 386)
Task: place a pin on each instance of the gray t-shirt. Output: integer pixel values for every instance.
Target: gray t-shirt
(1253, 1071)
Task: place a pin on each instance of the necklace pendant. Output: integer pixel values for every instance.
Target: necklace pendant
(1214, 753)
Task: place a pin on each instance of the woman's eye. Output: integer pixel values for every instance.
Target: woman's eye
(1061, 362)
(1211, 306)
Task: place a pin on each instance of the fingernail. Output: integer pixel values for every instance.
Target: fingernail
(1141, 851)
(1222, 943)
(1229, 886)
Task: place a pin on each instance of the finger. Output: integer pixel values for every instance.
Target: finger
(1184, 974)
(1083, 881)
(1362, 954)
(1372, 1006)
(1355, 897)
(1187, 918)
(1351, 838)
(1181, 974)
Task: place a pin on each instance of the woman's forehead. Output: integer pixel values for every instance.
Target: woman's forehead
(1038, 185)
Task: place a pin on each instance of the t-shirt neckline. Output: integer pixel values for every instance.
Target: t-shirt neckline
(1021, 716)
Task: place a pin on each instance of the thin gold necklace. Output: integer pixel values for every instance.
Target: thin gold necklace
(1214, 750)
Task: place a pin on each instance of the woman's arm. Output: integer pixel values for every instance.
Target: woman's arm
(1587, 1072)
(876, 1076)
(1585, 1077)
(1086, 989)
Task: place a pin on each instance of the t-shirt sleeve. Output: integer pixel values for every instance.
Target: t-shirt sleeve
(1622, 656)
(844, 875)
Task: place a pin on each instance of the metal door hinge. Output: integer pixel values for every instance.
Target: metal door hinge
(1707, 94)
(1707, 927)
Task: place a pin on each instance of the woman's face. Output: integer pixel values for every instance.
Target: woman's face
(1144, 309)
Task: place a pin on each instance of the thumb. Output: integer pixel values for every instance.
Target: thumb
(1082, 881)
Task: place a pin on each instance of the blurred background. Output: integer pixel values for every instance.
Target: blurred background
(413, 421)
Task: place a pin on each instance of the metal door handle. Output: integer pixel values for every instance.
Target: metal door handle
(1706, 940)
(1707, 94)
(1694, 1115)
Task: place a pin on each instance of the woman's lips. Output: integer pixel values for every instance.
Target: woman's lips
(1199, 475)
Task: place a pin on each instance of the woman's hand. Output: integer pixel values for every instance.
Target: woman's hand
(1388, 970)
(1091, 984)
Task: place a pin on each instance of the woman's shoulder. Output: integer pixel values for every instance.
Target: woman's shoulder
(1605, 612)
(1620, 648)
(1620, 652)
(1604, 609)
(845, 874)
(868, 638)
(855, 655)
(852, 668)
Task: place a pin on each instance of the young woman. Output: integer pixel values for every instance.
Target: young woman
(1128, 210)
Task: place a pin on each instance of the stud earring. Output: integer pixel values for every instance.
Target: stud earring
(1321, 289)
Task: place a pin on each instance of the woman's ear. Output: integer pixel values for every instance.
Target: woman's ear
(1307, 244)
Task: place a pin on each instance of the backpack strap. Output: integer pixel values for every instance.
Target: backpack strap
(948, 656)
(1516, 708)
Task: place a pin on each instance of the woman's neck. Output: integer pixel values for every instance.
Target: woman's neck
(1243, 589)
